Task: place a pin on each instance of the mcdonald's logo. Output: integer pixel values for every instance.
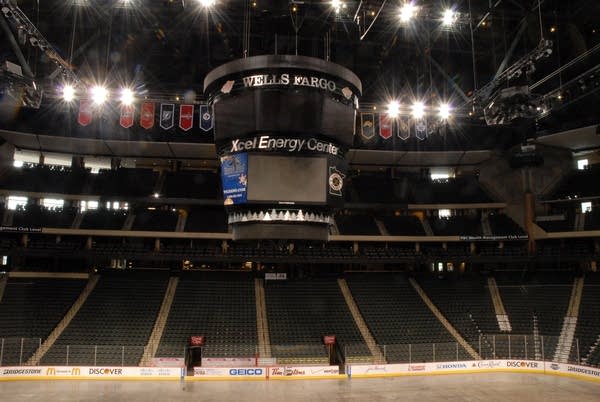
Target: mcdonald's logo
(63, 371)
(51, 371)
(76, 371)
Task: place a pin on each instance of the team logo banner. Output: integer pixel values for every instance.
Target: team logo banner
(367, 124)
(127, 114)
(385, 126)
(421, 128)
(167, 112)
(206, 118)
(403, 127)
(186, 117)
(147, 115)
(85, 112)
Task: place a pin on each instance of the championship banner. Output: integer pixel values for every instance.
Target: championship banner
(206, 118)
(85, 112)
(367, 125)
(385, 126)
(127, 114)
(147, 115)
(421, 128)
(186, 117)
(403, 127)
(167, 118)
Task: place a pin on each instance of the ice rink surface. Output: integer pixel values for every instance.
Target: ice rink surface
(505, 387)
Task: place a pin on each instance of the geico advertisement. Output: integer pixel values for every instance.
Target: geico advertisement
(237, 372)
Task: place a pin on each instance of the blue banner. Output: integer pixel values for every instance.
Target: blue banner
(206, 118)
(234, 177)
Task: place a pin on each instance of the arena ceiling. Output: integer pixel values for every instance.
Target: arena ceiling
(164, 48)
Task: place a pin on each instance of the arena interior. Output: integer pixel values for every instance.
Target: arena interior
(200, 197)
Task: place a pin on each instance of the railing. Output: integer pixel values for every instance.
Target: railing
(17, 351)
(490, 346)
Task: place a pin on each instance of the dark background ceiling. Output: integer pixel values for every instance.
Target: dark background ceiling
(166, 47)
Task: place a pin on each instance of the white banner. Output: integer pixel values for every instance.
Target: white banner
(591, 373)
(228, 361)
(303, 371)
(168, 362)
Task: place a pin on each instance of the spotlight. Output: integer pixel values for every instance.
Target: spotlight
(207, 3)
(444, 111)
(407, 12)
(337, 5)
(393, 109)
(127, 96)
(448, 17)
(418, 110)
(99, 94)
(68, 93)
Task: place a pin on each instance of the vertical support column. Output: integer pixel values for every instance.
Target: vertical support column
(529, 213)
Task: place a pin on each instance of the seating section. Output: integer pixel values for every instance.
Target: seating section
(206, 219)
(588, 323)
(579, 183)
(527, 303)
(155, 220)
(38, 216)
(43, 179)
(114, 324)
(104, 219)
(219, 307)
(192, 184)
(31, 308)
(459, 225)
(301, 312)
(502, 225)
(466, 302)
(357, 225)
(408, 225)
(123, 183)
(398, 319)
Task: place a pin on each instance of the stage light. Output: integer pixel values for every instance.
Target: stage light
(99, 94)
(207, 3)
(448, 17)
(337, 5)
(393, 109)
(68, 93)
(407, 12)
(444, 111)
(418, 110)
(127, 96)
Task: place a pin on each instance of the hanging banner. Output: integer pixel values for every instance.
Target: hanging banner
(147, 115)
(186, 117)
(167, 112)
(367, 125)
(421, 128)
(127, 114)
(85, 112)
(206, 118)
(403, 127)
(385, 126)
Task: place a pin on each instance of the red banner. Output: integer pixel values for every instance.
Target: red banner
(85, 112)
(147, 115)
(197, 340)
(186, 117)
(127, 113)
(329, 339)
(385, 126)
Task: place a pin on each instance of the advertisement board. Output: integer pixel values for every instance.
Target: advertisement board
(279, 372)
(234, 177)
(231, 373)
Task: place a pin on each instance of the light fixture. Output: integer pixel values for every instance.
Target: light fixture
(418, 110)
(207, 3)
(444, 111)
(407, 12)
(68, 93)
(393, 109)
(99, 94)
(448, 17)
(127, 96)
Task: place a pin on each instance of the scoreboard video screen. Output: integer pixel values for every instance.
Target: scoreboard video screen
(282, 178)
